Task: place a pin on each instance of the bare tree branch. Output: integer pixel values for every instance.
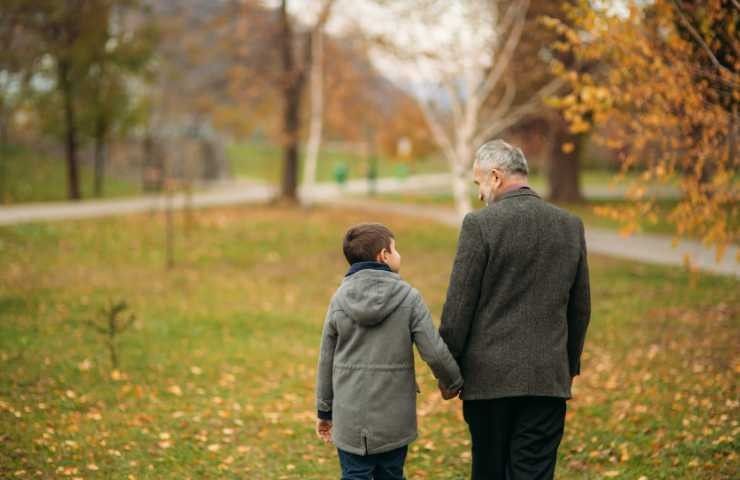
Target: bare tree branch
(521, 111)
(700, 40)
(514, 21)
(324, 15)
(507, 99)
(448, 82)
(438, 131)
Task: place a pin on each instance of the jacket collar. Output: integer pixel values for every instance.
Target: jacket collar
(357, 266)
(518, 192)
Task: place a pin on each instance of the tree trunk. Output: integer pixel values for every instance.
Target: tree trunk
(4, 150)
(4, 123)
(147, 154)
(292, 85)
(463, 162)
(461, 183)
(564, 166)
(732, 137)
(153, 167)
(169, 226)
(70, 132)
(289, 185)
(101, 154)
(317, 110)
(3, 173)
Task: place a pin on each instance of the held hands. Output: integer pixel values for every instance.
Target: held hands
(449, 394)
(323, 430)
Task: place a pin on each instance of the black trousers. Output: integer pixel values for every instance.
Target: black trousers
(515, 438)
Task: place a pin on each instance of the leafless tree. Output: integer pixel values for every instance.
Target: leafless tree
(455, 55)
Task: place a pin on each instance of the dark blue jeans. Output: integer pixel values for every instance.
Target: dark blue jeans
(379, 466)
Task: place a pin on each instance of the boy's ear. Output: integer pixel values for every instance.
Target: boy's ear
(380, 257)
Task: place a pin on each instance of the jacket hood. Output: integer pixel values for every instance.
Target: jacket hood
(370, 296)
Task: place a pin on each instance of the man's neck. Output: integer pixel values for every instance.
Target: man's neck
(514, 184)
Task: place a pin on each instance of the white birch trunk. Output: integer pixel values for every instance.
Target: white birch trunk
(317, 109)
(461, 178)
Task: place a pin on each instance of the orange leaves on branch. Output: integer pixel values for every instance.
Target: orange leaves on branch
(658, 85)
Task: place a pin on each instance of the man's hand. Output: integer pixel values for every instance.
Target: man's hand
(448, 394)
(323, 430)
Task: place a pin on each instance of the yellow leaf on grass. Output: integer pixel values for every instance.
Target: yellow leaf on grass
(85, 365)
(175, 390)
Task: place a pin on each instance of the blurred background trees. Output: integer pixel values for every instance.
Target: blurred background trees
(665, 98)
(560, 151)
(68, 63)
(112, 97)
(462, 78)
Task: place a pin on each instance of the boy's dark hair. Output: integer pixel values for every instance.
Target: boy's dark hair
(363, 242)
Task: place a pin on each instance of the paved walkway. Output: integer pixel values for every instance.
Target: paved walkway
(247, 191)
(227, 193)
(647, 248)
(641, 247)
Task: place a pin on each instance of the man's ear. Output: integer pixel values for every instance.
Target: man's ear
(496, 173)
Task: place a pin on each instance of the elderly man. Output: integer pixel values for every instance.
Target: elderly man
(515, 319)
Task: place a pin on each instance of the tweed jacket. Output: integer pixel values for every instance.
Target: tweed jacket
(518, 301)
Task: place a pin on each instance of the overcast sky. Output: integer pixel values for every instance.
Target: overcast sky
(455, 33)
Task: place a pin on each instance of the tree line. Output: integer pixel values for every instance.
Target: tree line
(653, 83)
(72, 63)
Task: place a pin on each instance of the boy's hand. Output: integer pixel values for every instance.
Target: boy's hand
(448, 394)
(323, 430)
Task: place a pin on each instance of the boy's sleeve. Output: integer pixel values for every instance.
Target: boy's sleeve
(324, 389)
(432, 349)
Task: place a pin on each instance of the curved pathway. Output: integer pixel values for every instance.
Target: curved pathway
(641, 247)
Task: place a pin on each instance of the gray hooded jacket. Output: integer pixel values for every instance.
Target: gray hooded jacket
(366, 372)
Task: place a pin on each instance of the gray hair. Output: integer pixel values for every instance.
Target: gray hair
(501, 155)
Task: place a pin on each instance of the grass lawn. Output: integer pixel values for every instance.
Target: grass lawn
(263, 161)
(217, 373)
(27, 176)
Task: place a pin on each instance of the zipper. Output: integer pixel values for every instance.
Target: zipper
(363, 435)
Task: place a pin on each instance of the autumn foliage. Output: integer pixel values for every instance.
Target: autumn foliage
(658, 84)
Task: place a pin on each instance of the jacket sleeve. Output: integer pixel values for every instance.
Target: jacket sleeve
(579, 309)
(464, 287)
(324, 389)
(432, 349)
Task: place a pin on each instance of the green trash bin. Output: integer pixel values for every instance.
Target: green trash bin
(372, 175)
(341, 173)
(401, 171)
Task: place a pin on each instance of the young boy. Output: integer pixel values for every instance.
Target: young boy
(366, 387)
